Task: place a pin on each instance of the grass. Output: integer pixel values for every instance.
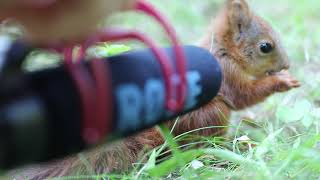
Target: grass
(278, 139)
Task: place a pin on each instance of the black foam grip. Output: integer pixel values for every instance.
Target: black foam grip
(138, 97)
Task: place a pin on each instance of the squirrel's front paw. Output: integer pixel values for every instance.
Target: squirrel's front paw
(285, 81)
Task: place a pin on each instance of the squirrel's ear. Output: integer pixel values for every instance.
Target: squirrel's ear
(239, 16)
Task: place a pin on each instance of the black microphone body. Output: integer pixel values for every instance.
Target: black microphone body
(41, 120)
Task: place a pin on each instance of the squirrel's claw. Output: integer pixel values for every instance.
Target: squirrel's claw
(286, 81)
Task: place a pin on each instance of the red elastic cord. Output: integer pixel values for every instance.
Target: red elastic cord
(161, 56)
(102, 123)
(104, 107)
(175, 104)
(95, 96)
(104, 110)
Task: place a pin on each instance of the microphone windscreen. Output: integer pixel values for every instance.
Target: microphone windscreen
(138, 95)
(54, 111)
(139, 91)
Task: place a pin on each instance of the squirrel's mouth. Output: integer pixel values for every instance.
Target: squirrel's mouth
(270, 72)
(273, 72)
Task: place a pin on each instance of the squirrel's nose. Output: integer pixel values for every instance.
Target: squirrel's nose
(284, 63)
(283, 60)
(282, 66)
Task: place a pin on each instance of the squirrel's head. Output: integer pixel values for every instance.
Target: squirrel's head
(250, 40)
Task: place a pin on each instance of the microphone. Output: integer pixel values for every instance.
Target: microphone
(40, 114)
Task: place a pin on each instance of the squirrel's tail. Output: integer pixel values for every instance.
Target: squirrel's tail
(111, 158)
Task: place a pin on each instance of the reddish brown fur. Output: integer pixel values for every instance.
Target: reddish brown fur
(244, 84)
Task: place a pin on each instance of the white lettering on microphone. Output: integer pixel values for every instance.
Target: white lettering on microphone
(142, 107)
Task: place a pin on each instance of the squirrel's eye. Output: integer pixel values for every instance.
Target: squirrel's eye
(266, 48)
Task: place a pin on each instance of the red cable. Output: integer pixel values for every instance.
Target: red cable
(174, 104)
(103, 123)
(117, 35)
(86, 90)
(96, 96)
(161, 56)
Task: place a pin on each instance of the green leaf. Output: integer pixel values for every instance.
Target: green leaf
(307, 120)
(297, 143)
(288, 114)
(316, 113)
(303, 107)
(231, 156)
(152, 160)
(174, 163)
(267, 144)
(117, 49)
(106, 50)
(297, 112)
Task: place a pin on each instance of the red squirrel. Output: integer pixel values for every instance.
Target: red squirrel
(254, 64)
